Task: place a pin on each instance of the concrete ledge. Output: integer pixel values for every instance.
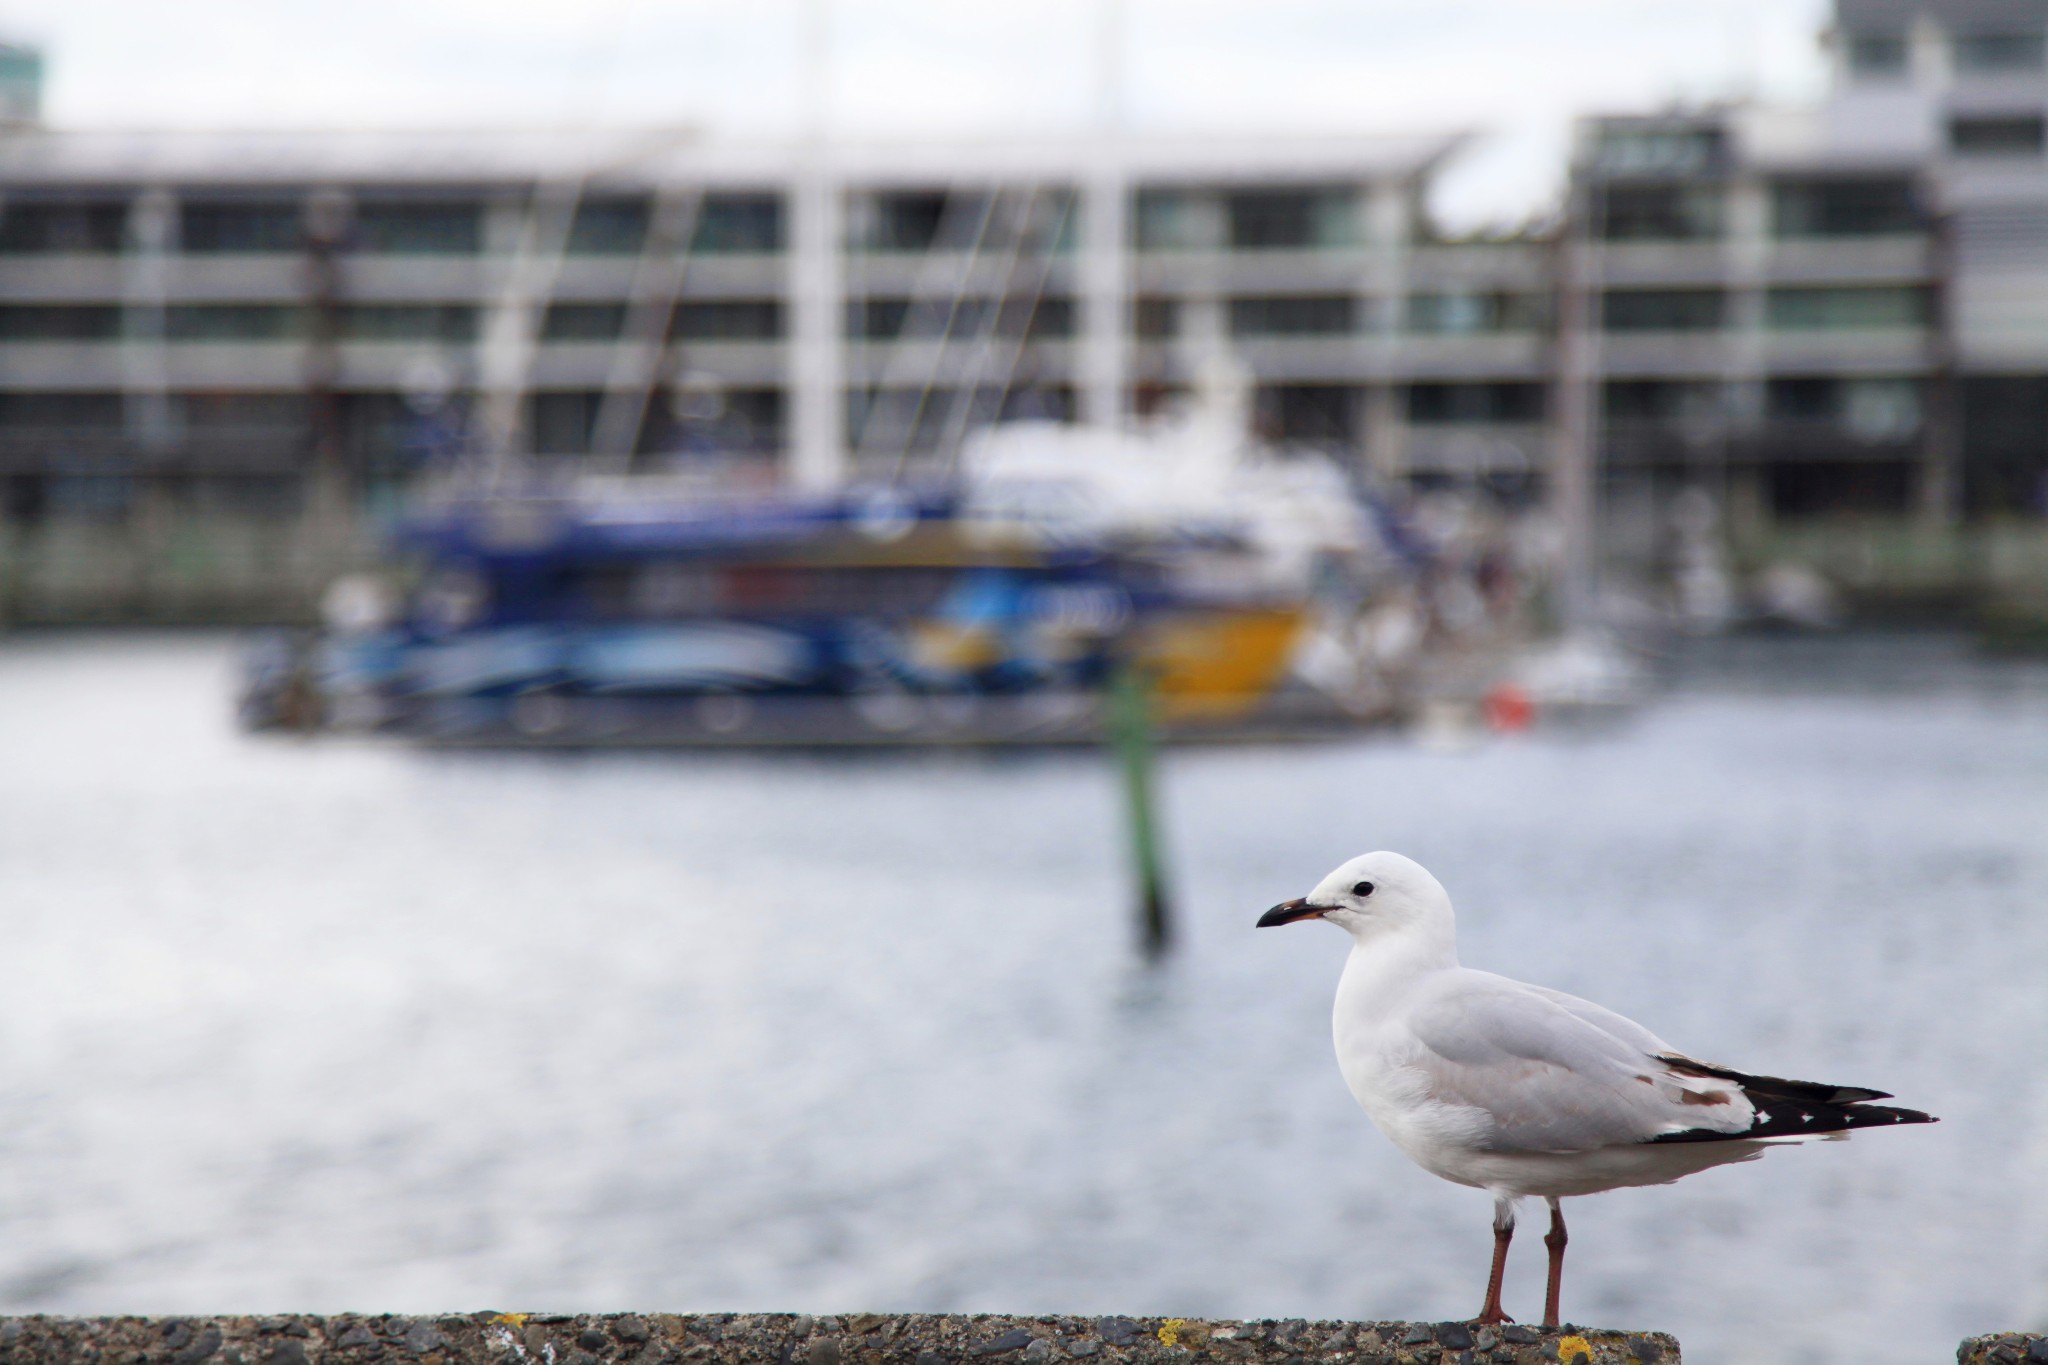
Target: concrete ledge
(2004, 1348)
(794, 1339)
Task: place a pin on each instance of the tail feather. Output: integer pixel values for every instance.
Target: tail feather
(1793, 1109)
(1773, 1087)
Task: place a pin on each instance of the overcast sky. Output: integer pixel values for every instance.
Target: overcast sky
(1512, 71)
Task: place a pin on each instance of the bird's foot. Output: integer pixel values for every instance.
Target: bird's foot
(1491, 1317)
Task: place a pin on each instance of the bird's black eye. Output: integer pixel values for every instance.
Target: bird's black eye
(1362, 889)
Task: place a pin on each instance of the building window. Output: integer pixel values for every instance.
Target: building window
(2003, 135)
(1639, 400)
(2005, 444)
(89, 497)
(1881, 410)
(250, 228)
(444, 322)
(1038, 403)
(1051, 319)
(728, 320)
(1624, 148)
(1662, 310)
(1265, 220)
(1659, 213)
(1155, 319)
(906, 220)
(1436, 404)
(59, 322)
(738, 223)
(1848, 307)
(892, 419)
(880, 319)
(1175, 220)
(1998, 52)
(1802, 399)
(232, 322)
(380, 431)
(885, 319)
(562, 423)
(1465, 314)
(753, 420)
(217, 412)
(1877, 56)
(1318, 414)
(29, 227)
(715, 421)
(270, 496)
(98, 412)
(1812, 488)
(1294, 315)
(1035, 220)
(420, 228)
(584, 322)
(608, 227)
(1661, 401)
(1859, 207)
(881, 421)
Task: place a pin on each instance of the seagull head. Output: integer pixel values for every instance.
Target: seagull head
(1372, 894)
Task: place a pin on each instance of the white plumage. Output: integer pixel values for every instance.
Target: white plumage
(1520, 1090)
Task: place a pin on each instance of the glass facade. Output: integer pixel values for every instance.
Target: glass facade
(419, 227)
(1662, 310)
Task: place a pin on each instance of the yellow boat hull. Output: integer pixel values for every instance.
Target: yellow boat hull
(1217, 664)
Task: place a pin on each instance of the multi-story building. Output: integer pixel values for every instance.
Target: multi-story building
(181, 301)
(1842, 309)
(1959, 88)
(1765, 317)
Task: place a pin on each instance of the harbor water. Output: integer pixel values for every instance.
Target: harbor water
(328, 1025)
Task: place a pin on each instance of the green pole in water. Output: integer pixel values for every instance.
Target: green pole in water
(1130, 731)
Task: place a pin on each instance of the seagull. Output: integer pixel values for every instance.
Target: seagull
(1519, 1090)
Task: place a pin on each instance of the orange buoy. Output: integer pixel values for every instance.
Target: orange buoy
(1509, 709)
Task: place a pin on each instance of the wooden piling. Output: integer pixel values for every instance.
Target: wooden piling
(1131, 721)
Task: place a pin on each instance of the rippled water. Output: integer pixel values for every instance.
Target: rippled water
(326, 1026)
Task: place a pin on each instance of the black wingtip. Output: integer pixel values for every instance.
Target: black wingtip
(1774, 1087)
(1856, 1094)
(1778, 1119)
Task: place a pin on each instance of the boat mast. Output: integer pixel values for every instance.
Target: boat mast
(817, 378)
(1575, 430)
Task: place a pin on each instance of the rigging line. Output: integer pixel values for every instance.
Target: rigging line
(928, 283)
(964, 275)
(510, 344)
(640, 355)
(1033, 246)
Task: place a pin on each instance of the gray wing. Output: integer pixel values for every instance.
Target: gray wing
(1618, 1026)
(1552, 1073)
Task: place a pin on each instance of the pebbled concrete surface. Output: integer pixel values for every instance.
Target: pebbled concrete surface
(800, 1339)
(2004, 1348)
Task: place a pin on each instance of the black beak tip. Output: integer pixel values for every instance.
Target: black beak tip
(1287, 912)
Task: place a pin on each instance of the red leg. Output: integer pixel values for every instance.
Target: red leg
(1555, 1241)
(1503, 1232)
